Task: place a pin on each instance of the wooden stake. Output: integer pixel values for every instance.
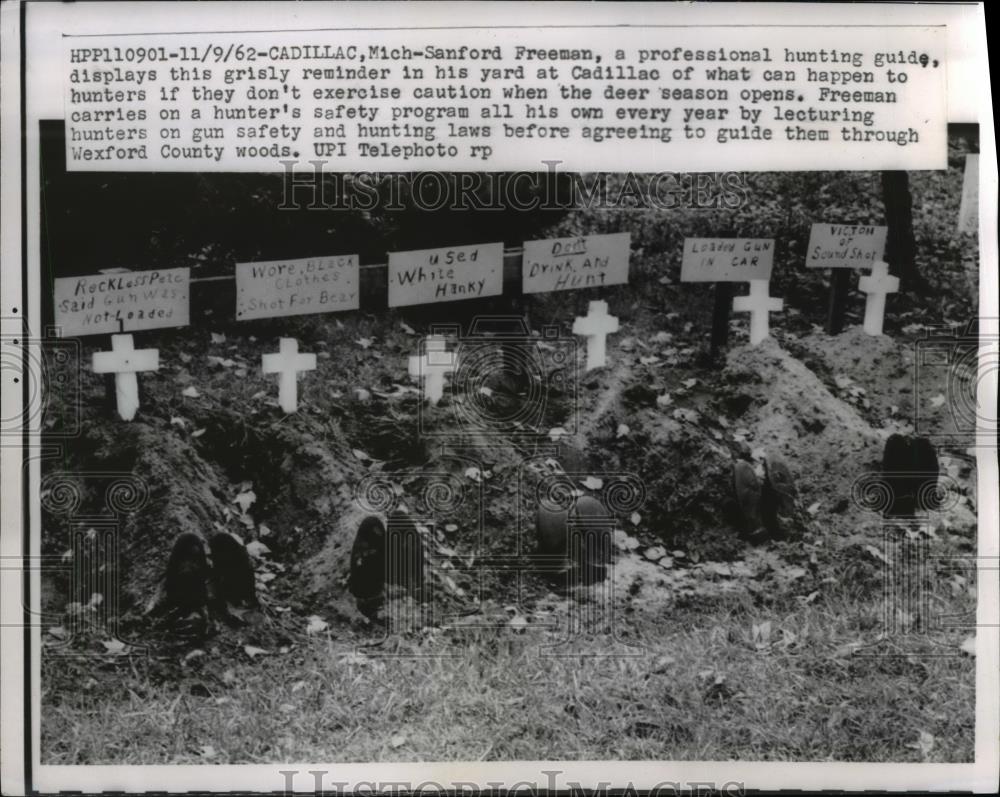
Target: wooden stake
(720, 317)
(840, 284)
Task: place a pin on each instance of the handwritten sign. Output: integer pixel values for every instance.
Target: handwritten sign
(968, 211)
(423, 276)
(727, 259)
(136, 300)
(561, 264)
(296, 287)
(845, 245)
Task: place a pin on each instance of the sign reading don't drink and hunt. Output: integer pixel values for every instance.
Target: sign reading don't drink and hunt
(134, 300)
(845, 245)
(727, 259)
(589, 261)
(296, 287)
(447, 274)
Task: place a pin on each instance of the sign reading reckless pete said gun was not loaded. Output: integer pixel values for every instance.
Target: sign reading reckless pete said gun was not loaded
(560, 264)
(296, 287)
(136, 300)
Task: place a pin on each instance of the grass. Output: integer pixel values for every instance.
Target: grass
(703, 687)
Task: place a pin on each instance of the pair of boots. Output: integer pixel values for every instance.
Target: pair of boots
(766, 507)
(910, 470)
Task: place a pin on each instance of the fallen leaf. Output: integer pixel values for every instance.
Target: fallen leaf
(938, 400)
(473, 473)
(253, 652)
(635, 518)
(760, 634)
(175, 421)
(592, 483)
(197, 433)
(876, 553)
(365, 343)
(655, 553)
(218, 337)
(398, 740)
(316, 624)
(207, 751)
(847, 649)
(662, 663)
(245, 499)
(968, 646)
(665, 400)
(257, 549)
(556, 432)
(407, 328)
(114, 646)
(191, 392)
(924, 743)
(622, 431)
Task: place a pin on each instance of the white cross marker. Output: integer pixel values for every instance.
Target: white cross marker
(758, 303)
(432, 365)
(877, 285)
(288, 362)
(596, 326)
(125, 361)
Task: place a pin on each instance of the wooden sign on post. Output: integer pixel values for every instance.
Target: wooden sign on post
(135, 300)
(841, 247)
(589, 261)
(296, 287)
(968, 212)
(724, 261)
(448, 274)
(727, 259)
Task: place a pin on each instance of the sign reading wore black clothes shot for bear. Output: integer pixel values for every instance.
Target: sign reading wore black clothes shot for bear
(725, 261)
(297, 287)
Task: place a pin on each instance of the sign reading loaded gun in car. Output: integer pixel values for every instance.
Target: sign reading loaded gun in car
(727, 259)
(589, 261)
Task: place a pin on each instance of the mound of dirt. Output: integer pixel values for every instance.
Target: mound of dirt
(791, 411)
